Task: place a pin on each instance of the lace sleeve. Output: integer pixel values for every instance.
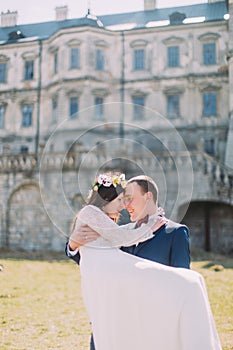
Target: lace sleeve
(109, 230)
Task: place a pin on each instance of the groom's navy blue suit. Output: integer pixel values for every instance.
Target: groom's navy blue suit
(169, 246)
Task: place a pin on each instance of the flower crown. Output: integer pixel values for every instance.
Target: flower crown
(107, 180)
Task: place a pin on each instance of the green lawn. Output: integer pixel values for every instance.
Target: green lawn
(42, 308)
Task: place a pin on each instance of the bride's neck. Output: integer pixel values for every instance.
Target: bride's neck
(113, 218)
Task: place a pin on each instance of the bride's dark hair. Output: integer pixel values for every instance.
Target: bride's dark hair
(101, 194)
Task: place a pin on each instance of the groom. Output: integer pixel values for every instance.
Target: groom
(170, 244)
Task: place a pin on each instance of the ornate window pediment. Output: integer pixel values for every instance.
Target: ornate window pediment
(173, 40)
(29, 55)
(74, 42)
(209, 37)
(100, 92)
(138, 93)
(4, 58)
(74, 92)
(174, 90)
(138, 43)
(101, 43)
(52, 49)
(205, 87)
(27, 101)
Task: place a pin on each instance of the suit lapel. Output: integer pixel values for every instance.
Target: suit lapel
(142, 245)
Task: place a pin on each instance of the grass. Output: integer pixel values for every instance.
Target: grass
(42, 308)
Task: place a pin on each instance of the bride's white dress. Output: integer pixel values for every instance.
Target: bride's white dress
(136, 304)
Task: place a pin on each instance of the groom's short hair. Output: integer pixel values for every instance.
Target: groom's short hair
(146, 184)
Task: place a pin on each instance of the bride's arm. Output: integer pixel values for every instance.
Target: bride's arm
(108, 229)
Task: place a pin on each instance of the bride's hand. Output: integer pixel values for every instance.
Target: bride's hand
(161, 211)
(83, 235)
(159, 221)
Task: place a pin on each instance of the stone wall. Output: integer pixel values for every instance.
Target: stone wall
(39, 202)
(210, 226)
(28, 224)
(229, 148)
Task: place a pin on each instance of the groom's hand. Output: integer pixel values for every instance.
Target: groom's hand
(83, 235)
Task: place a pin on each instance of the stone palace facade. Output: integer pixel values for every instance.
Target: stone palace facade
(148, 91)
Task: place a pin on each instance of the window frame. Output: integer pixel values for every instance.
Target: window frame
(208, 110)
(99, 108)
(99, 59)
(173, 58)
(208, 58)
(73, 104)
(76, 64)
(27, 115)
(29, 70)
(54, 110)
(139, 58)
(24, 149)
(2, 117)
(3, 73)
(173, 105)
(138, 111)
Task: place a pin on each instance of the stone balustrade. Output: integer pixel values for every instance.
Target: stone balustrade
(219, 173)
(74, 160)
(52, 197)
(18, 163)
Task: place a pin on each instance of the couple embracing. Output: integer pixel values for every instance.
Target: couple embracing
(134, 296)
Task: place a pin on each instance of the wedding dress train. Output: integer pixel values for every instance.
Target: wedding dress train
(137, 304)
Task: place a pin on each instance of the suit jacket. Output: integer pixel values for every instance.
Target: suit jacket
(169, 246)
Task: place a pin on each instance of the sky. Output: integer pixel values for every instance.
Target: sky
(44, 10)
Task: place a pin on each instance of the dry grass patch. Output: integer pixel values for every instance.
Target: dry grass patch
(42, 308)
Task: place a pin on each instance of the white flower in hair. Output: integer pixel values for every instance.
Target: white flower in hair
(107, 180)
(100, 179)
(107, 183)
(104, 180)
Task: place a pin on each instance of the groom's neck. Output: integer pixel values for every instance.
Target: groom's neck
(152, 209)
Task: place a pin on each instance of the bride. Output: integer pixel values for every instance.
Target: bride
(134, 303)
